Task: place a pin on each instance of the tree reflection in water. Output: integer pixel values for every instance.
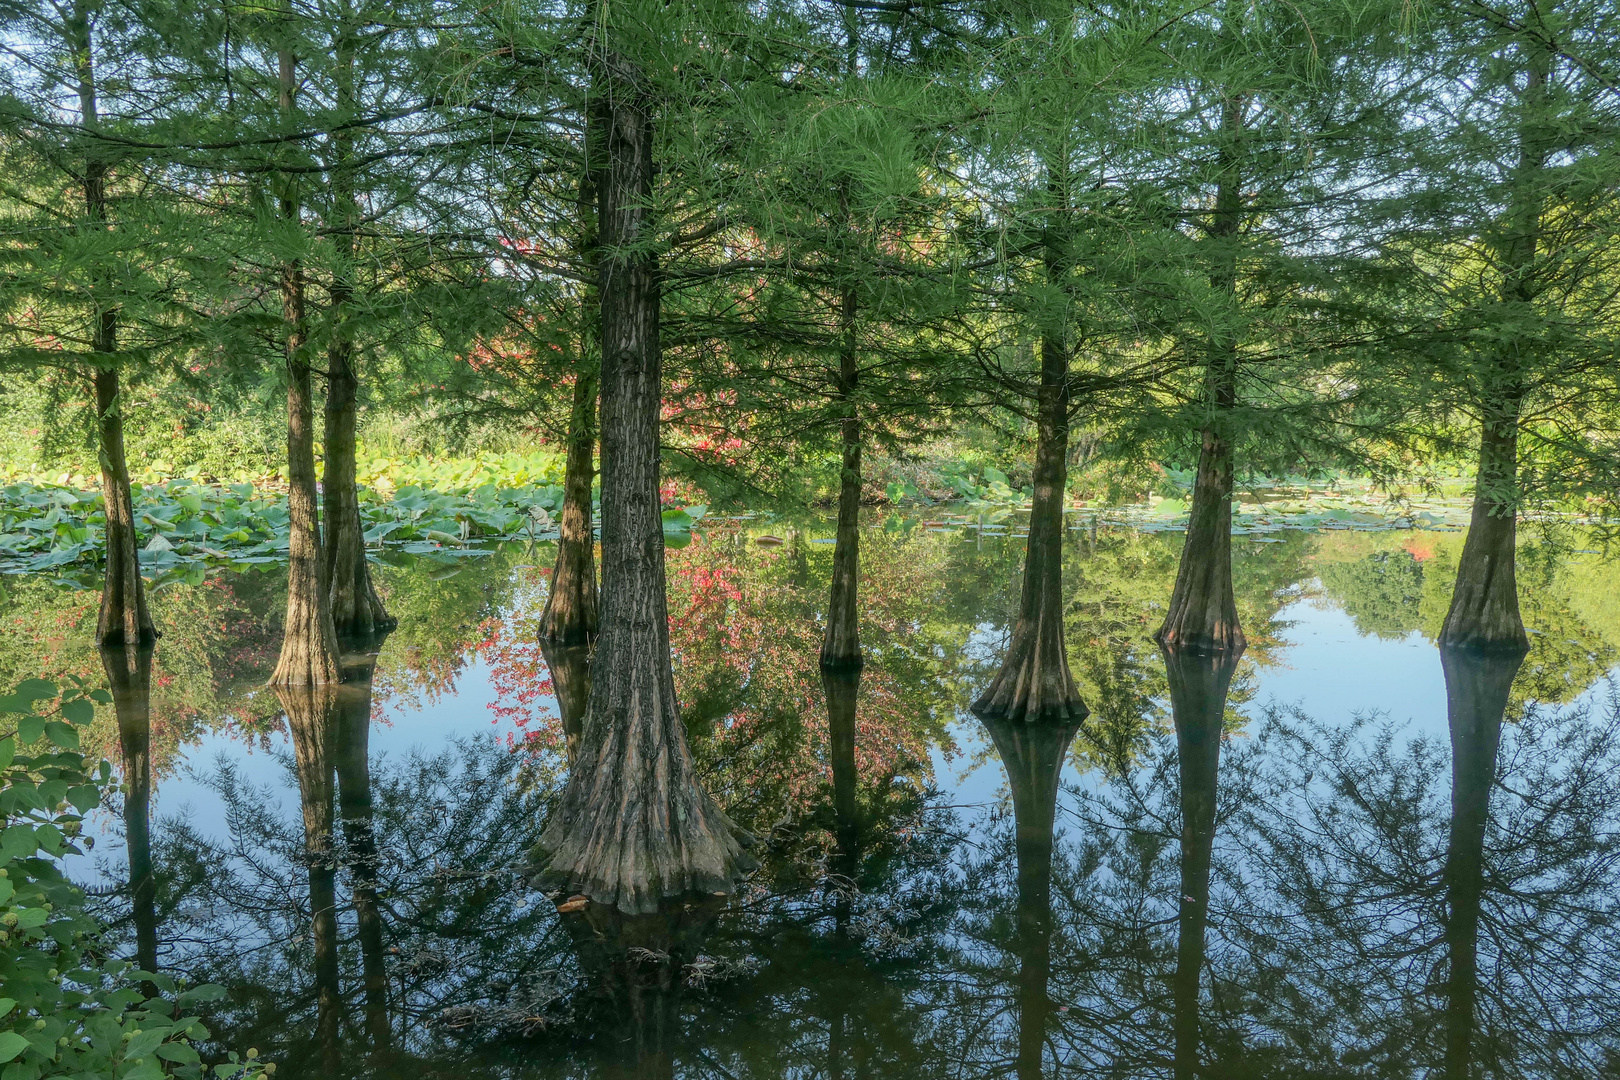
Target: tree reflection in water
(1253, 894)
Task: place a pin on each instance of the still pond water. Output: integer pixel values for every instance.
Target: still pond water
(1335, 859)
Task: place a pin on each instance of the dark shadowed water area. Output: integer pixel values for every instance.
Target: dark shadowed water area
(1335, 857)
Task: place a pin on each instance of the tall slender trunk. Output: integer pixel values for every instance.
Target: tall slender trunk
(1033, 755)
(1484, 609)
(129, 672)
(1478, 683)
(570, 615)
(309, 648)
(357, 610)
(1199, 682)
(1035, 682)
(123, 618)
(311, 716)
(633, 825)
(351, 763)
(1203, 607)
(841, 647)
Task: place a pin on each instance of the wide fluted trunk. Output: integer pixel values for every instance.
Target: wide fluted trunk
(633, 824)
(570, 668)
(1199, 681)
(1035, 682)
(1033, 755)
(1203, 608)
(1478, 682)
(841, 646)
(124, 619)
(570, 615)
(357, 611)
(309, 648)
(1484, 611)
(351, 762)
(311, 719)
(129, 673)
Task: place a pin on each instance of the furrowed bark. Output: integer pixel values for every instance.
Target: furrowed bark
(1035, 682)
(1478, 682)
(311, 720)
(1203, 607)
(570, 668)
(1199, 682)
(129, 673)
(309, 648)
(570, 615)
(351, 762)
(633, 825)
(1484, 612)
(123, 618)
(841, 646)
(1033, 755)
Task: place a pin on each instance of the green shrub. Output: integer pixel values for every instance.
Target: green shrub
(66, 1007)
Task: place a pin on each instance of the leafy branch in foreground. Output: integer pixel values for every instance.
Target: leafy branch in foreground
(69, 1009)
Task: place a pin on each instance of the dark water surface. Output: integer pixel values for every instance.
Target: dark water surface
(1336, 857)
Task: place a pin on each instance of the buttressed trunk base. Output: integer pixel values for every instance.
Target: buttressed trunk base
(1484, 612)
(633, 825)
(1203, 608)
(1035, 682)
(357, 610)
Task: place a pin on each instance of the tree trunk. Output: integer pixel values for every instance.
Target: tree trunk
(309, 648)
(570, 615)
(311, 719)
(571, 612)
(1203, 608)
(1199, 682)
(1035, 682)
(1484, 610)
(570, 668)
(1033, 755)
(841, 647)
(1477, 686)
(123, 619)
(633, 825)
(357, 611)
(351, 762)
(129, 672)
